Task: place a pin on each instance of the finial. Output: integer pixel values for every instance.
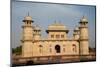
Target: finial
(83, 17)
(28, 13)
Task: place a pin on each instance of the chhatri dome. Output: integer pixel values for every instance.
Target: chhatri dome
(83, 19)
(76, 29)
(57, 26)
(37, 27)
(26, 18)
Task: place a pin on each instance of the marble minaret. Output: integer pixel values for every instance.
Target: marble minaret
(84, 40)
(27, 37)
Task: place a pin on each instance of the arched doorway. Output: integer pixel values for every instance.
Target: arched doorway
(30, 62)
(57, 48)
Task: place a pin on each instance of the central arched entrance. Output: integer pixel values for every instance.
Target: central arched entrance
(57, 48)
(30, 62)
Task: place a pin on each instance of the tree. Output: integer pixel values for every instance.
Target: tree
(17, 50)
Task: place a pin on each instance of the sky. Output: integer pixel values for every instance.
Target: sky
(45, 14)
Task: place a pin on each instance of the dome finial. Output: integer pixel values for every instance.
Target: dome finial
(28, 13)
(83, 17)
(27, 17)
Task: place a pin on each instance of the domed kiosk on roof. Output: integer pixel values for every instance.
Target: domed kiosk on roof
(57, 27)
(37, 27)
(28, 18)
(83, 19)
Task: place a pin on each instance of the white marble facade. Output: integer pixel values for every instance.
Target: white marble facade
(57, 41)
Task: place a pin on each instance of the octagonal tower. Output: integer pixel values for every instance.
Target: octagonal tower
(84, 38)
(27, 37)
